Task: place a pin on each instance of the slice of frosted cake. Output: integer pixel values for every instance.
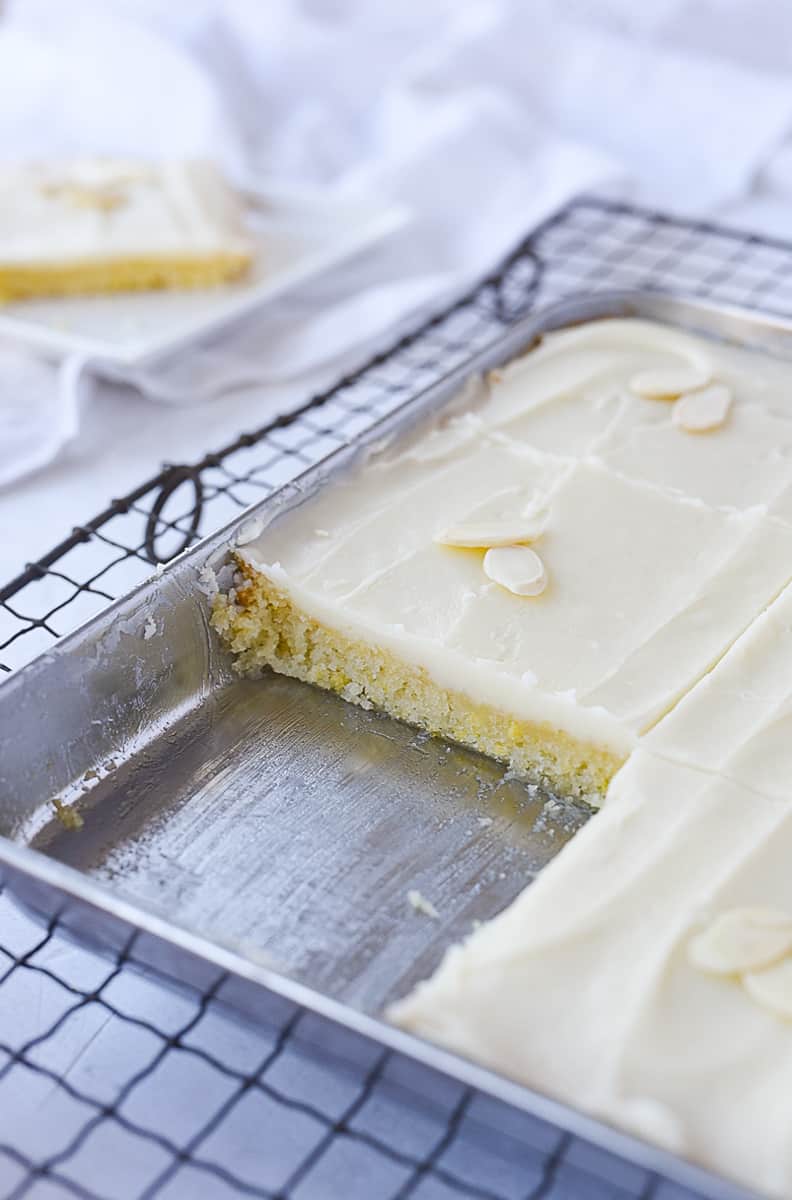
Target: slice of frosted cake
(542, 573)
(106, 225)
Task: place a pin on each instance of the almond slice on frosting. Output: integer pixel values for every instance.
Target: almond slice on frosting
(519, 569)
(702, 411)
(666, 383)
(516, 530)
(742, 939)
(772, 988)
(481, 535)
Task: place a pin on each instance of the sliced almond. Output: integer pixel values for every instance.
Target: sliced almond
(699, 412)
(519, 569)
(743, 939)
(481, 535)
(666, 383)
(772, 988)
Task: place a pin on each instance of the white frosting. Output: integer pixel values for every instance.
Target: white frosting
(113, 209)
(648, 584)
(584, 988)
(738, 720)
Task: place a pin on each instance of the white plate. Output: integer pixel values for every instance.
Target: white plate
(295, 240)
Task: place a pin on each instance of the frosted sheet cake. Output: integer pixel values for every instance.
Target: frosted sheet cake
(542, 573)
(107, 225)
(583, 570)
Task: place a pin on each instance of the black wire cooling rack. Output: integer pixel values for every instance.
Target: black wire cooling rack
(115, 1085)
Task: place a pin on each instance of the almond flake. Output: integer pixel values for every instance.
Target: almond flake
(519, 569)
(666, 383)
(772, 988)
(700, 412)
(482, 535)
(743, 939)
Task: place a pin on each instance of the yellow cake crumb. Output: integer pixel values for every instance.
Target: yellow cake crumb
(264, 628)
(126, 275)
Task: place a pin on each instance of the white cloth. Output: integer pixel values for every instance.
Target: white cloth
(479, 116)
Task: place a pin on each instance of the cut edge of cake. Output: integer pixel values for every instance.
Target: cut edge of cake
(265, 626)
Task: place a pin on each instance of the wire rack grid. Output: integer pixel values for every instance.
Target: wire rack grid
(117, 1085)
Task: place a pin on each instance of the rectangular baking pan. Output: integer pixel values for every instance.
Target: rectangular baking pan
(266, 828)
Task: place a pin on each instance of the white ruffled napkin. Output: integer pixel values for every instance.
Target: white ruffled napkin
(480, 117)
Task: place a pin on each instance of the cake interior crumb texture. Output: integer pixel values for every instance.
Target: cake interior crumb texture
(266, 629)
(640, 655)
(122, 275)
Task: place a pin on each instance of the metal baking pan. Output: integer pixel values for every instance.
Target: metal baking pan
(266, 827)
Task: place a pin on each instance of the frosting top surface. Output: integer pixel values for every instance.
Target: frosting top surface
(738, 719)
(658, 552)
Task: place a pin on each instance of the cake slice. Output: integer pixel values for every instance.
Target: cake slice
(496, 579)
(646, 975)
(107, 225)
